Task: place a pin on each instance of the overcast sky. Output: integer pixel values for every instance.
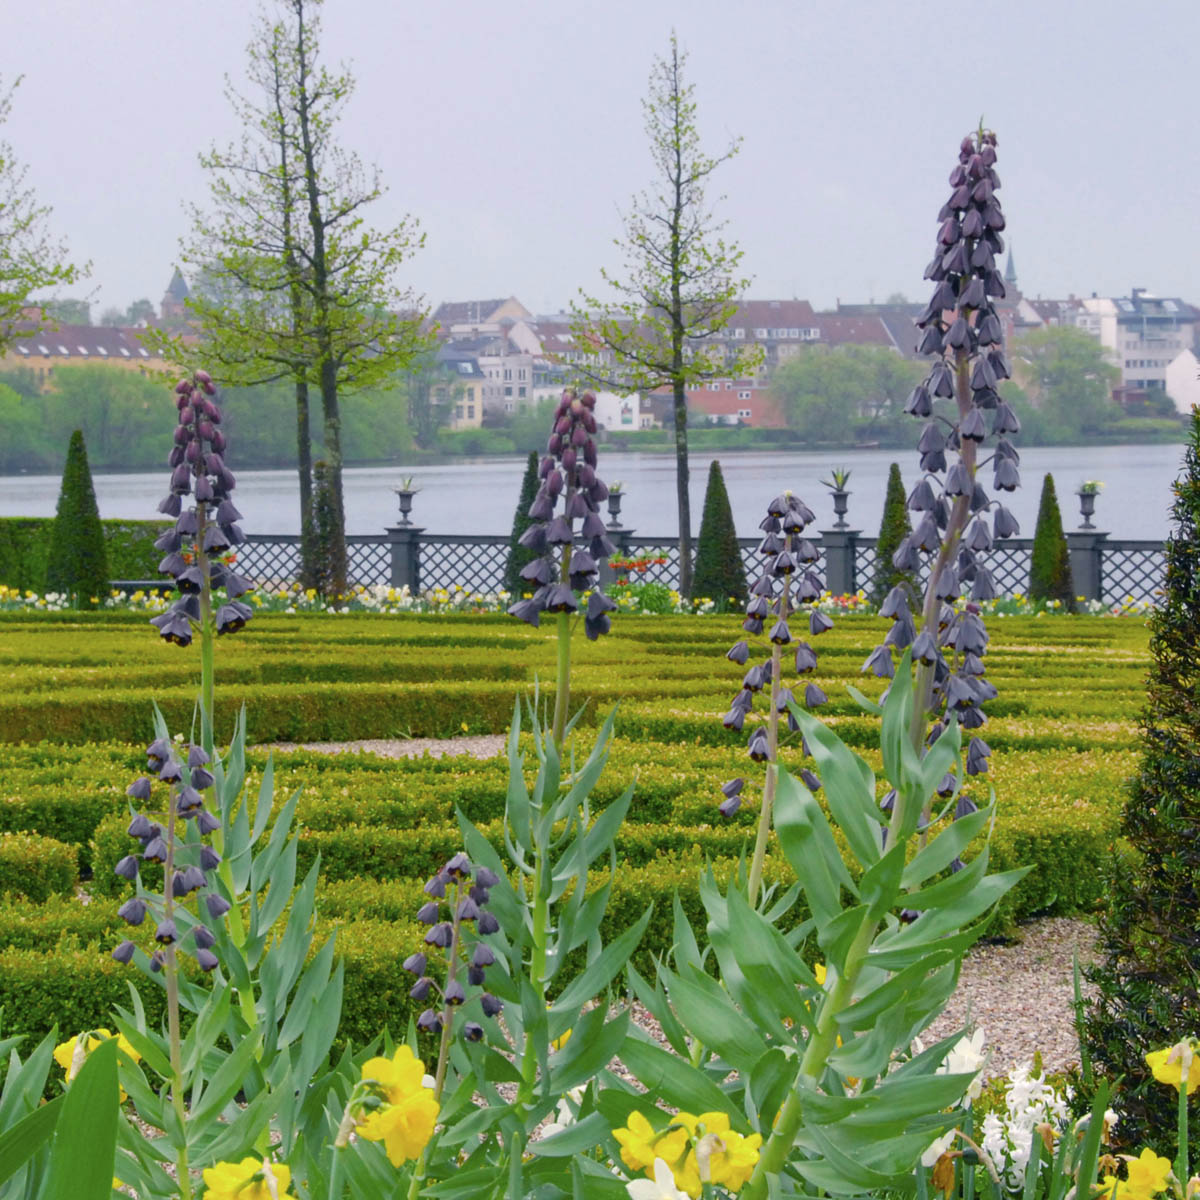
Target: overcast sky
(514, 133)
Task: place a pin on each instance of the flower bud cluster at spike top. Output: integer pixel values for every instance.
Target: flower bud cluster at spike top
(950, 534)
(568, 473)
(206, 532)
(788, 582)
(175, 839)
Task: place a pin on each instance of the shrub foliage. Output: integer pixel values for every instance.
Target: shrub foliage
(893, 530)
(518, 555)
(78, 564)
(1050, 570)
(719, 573)
(1149, 978)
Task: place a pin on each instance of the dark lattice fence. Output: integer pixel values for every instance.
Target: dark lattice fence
(368, 561)
(1114, 572)
(474, 562)
(1131, 570)
(270, 560)
(666, 572)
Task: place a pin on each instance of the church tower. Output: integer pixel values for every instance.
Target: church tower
(172, 302)
(1010, 273)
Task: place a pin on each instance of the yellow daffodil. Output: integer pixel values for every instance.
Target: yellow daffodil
(1167, 1065)
(406, 1122)
(821, 973)
(250, 1179)
(698, 1149)
(641, 1143)
(67, 1056)
(1147, 1175)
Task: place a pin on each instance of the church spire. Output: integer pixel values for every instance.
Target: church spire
(1010, 271)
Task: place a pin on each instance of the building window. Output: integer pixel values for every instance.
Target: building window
(739, 332)
(521, 390)
(508, 373)
(743, 414)
(470, 412)
(458, 412)
(729, 385)
(521, 373)
(760, 333)
(743, 396)
(508, 389)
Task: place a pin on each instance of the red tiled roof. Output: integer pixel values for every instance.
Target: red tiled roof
(81, 343)
(852, 331)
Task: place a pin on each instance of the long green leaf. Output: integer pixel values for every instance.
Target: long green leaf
(849, 785)
(673, 1080)
(84, 1150)
(603, 970)
(808, 844)
(20, 1142)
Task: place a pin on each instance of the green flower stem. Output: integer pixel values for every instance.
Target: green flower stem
(439, 1078)
(171, 975)
(775, 1153)
(537, 969)
(206, 634)
(562, 681)
(754, 884)
(960, 511)
(1181, 1155)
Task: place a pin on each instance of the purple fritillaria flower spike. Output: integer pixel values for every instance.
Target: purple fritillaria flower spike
(206, 529)
(568, 531)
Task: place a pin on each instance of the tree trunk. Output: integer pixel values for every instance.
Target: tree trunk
(681, 492)
(334, 569)
(308, 548)
(335, 566)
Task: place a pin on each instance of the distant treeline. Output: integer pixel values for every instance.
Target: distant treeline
(127, 419)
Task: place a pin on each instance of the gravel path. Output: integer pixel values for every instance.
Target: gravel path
(1020, 993)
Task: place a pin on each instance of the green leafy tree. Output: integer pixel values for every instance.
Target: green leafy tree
(77, 565)
(680, 281)
(720, 574)
(1050, 569)
(519, 555)
(1067, 378)
(433, 388)
(845, 394)
(1148, 979)
(894, 528)
(68, 312)
(139, 311)
(30, 261)
(125, 416)
(297, 285)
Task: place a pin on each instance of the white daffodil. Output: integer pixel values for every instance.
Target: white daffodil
(662, 1187)
(937, 1148)
(967, 1058)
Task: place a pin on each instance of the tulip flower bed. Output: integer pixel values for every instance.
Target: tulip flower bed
(1062, 730)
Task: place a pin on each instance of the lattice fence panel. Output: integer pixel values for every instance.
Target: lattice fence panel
(475, 567)
(369, 563)
(1129, 572)
(866, 567)
(665, 572)
(269, 564)
(1009, 563)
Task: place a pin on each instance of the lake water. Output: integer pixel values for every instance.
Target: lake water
(479, 496)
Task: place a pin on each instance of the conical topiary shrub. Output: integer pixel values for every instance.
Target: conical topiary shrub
(1148, 979)
(719, 575)
(894, 528)
(518, 555)
(1050, 570)
(77, 565)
